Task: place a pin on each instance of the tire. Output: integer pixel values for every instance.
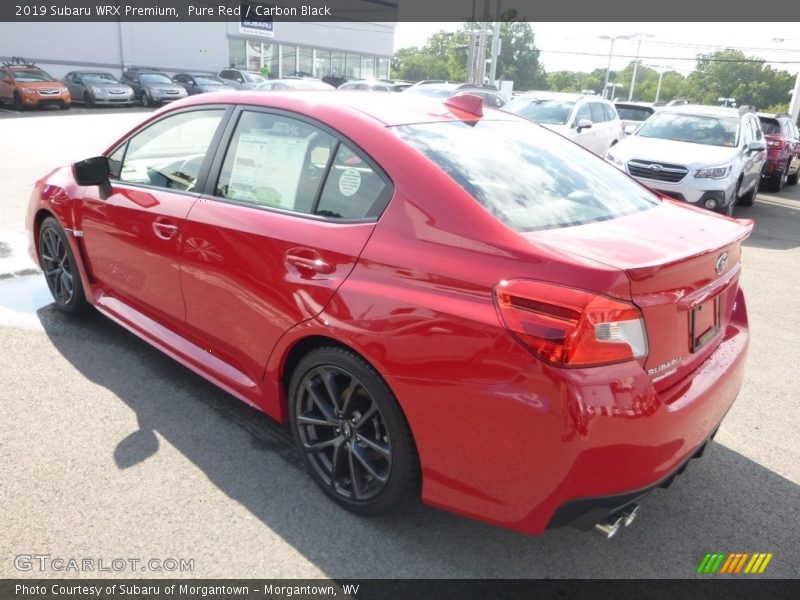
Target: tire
(60, 268)
(88, 101)
(146, 101)
(64, 106)
(18, 106)
(777, 181)
(792, 179)
(747, 199)
(351, 433)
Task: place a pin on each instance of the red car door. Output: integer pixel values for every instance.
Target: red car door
(283, 227)
(133, 232)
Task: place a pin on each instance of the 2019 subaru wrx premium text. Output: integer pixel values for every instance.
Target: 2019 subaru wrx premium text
(525, 336)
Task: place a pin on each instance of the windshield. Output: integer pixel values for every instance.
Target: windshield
(98, 78)
(32, 75)
(634, 113)
(527, 177)
(551, 112)
(254, 78)
(696, 129)
(207, 80)
(770, 126)
(154, 78)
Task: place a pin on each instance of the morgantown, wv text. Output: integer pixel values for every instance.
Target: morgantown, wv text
(181, 590)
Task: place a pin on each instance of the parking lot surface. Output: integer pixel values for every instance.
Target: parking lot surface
(112, 450)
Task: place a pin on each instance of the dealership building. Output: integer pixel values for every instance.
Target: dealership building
(343, 49)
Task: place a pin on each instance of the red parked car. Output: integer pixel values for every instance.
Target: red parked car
(439, 301)
(783, 151)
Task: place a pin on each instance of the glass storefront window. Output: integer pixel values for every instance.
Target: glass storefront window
(337, 64)
(253, 55)
(383, 68)
(352, 68)
(322, 63)
(367, 67)
(269, 58)
(236, 53)
(288, 60)
(305, 62)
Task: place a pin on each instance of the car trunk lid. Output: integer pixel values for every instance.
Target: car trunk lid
(683, 265)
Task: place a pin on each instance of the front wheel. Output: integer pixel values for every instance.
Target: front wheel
(60, 268)
(351, 433)
(18, 106)
(146, 101)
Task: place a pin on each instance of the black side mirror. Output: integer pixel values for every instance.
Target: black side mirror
(92, 171)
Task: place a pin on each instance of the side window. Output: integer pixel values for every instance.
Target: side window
(115, 161)
(583, 113)
(353, 190)
(598, 116)
(611, 112)
(276, 162)
(170, 152)
(757, 133)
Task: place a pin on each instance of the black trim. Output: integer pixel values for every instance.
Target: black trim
(585, 513)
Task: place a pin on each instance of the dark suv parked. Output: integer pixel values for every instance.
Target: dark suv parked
(783, 151)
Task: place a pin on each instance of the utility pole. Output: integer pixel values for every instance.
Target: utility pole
(636, 62)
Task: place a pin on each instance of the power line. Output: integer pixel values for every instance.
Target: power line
(694, 59)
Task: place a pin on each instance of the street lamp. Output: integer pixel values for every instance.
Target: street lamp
(610, 53)
(636, 62)
(614, 87)
(661, 70)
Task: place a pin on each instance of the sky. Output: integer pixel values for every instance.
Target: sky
(577, 47)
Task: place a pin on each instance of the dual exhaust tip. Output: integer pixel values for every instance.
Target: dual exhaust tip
(611, 525)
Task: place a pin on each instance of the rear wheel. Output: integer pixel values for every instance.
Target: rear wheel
(778, 180)
(792, 178)
(352, 435)
(60, 268)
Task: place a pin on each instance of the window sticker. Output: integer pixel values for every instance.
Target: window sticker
(267, 169)
(349, 182)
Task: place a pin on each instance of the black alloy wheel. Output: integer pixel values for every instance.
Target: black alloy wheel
(60, 269)
(351, 432)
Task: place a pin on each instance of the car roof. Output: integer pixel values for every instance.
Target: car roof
(702, 110)
(392, 110)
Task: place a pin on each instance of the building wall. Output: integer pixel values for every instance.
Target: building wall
(63, 47)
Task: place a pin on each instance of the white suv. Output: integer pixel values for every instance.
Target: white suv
(708, 156)
(587, 120)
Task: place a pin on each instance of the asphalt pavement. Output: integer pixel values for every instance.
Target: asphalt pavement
(111, 450)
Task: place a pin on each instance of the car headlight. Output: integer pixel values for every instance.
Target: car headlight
(64, 90)
(97, 90)
(156, 92)
(713, 172)
(28, 90)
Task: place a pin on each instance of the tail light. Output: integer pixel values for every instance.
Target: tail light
(568, 327)
(778, 144)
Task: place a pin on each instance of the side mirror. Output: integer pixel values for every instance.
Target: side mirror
(92, 171)
(629, 129)
(756, 146)
(584, 124)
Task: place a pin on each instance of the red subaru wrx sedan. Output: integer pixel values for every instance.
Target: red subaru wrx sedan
(440, 301)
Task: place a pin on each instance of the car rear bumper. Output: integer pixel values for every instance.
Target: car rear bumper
(515, 453)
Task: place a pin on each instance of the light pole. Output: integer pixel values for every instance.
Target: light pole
(661, 70)
(636, 61)
(794, 103)
(613, 39)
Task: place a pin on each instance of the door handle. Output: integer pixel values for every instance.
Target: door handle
(166, 231)
(316, 265)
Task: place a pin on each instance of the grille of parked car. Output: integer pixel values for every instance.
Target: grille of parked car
(657, 171)
(48, 92)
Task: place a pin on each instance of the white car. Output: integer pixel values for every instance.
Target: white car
(705, 155)
(587, 120)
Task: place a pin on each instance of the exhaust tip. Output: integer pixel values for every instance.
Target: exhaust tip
(609, 528)
(629, 513)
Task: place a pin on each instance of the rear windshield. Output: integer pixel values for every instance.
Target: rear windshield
(527, 177)
(697, 129)
(770, 126)
(634, 113)
(550, 112)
